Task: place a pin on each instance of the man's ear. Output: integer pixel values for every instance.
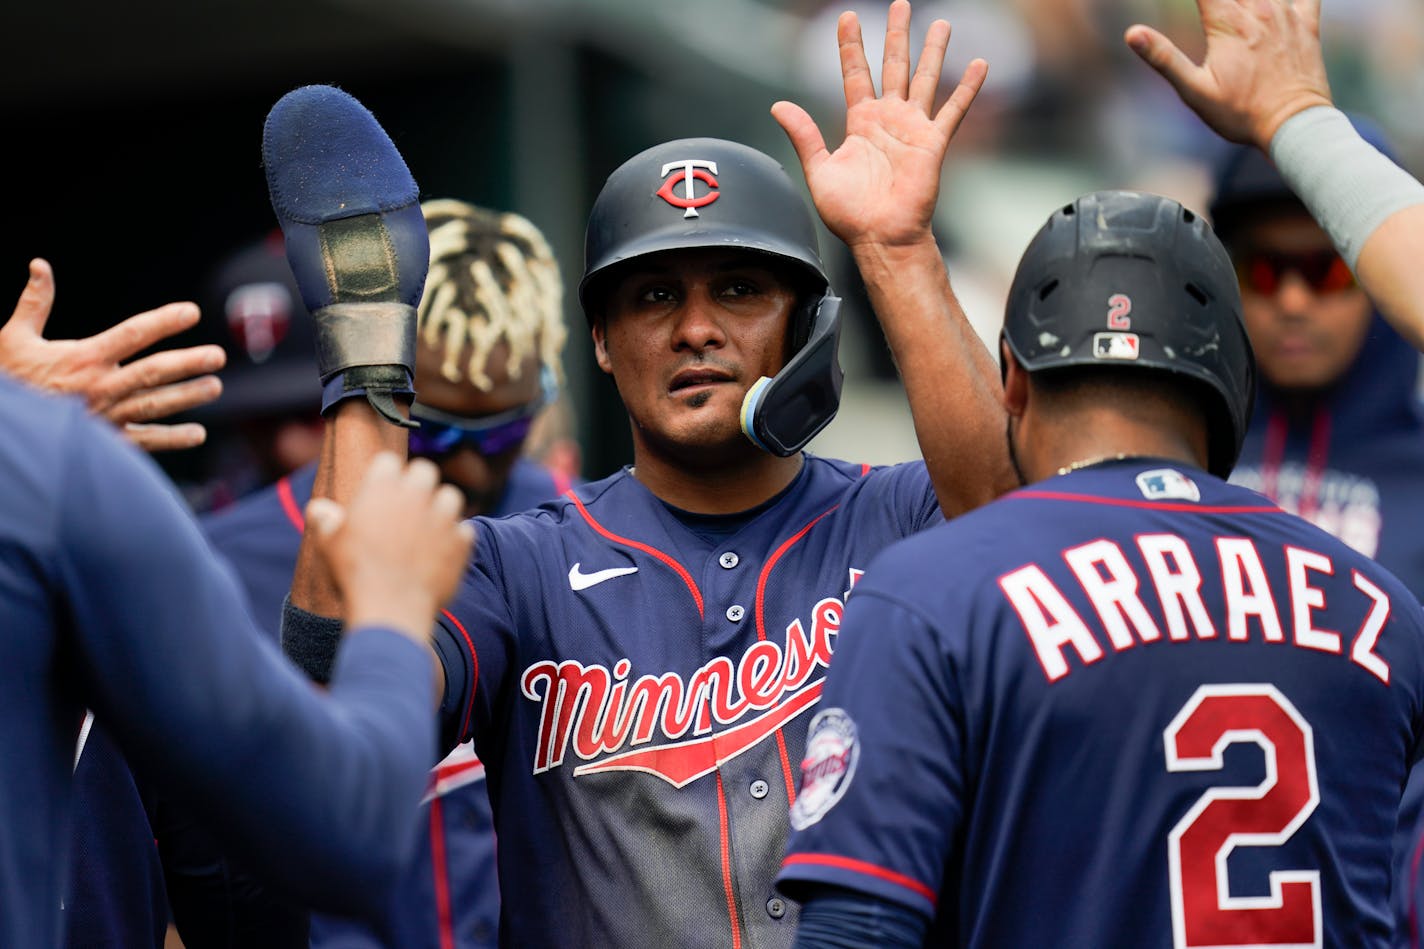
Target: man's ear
(599, 329)
(1015, 381)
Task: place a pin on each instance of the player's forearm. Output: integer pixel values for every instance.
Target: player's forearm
(354, 434)
(1372, 209)
(1390, 273)
(950, 378)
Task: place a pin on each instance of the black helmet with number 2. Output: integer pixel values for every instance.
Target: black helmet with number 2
(1125, 278)
(708, 192)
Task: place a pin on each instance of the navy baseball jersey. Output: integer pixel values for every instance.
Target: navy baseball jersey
(449, 895)
(637, 678)
(110, 599)
(1127, 706)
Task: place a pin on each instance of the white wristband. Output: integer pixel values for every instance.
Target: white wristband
(1348, 186)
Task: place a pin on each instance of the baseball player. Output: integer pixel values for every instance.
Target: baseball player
(487, 362)
(96, 543)
(635, 660)
(1167, 713)
(1263, 83)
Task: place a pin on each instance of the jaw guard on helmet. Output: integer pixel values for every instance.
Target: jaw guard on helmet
(710, 193)
(1123, 278)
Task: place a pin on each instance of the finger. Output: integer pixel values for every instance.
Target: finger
(159, 369)
(153, 438)
(382, 474)
(324, 516)
(166, 400)
(957, 106)
(449, 503)
(422, 475)
(925, 84)
(137, 333)
(895, 64)
(37, 299)
(855, 71)
(804, 134)
(1163, 55)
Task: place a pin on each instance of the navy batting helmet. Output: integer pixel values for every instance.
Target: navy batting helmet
(1122, 278)
(710, 193)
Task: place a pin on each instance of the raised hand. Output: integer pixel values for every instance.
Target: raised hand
(1262, 65)
(880, 186)
(128, 395)
(397, 552)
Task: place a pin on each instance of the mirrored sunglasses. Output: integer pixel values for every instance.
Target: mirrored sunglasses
(1323, 271)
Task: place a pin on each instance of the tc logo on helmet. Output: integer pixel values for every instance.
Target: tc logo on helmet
(686, 172)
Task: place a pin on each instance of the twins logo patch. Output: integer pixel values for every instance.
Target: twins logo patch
(1167, 484)
(831, 756)
(1115, 346)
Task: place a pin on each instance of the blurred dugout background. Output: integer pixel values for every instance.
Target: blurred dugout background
(134, 132)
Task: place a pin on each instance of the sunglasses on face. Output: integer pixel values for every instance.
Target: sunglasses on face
(1323, 271)
(441, 433)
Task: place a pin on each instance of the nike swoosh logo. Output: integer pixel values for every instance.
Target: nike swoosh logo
(579, 580)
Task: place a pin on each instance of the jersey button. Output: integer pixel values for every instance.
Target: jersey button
(759, 789)
(775, 908)
(728, 560)
(735, 613)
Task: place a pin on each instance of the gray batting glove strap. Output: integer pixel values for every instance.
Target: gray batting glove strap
(310, 641)
(367, 349)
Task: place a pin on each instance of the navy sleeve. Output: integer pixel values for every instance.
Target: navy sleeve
(882, 797)
(318, 791)
(833, 918)
(474, 641)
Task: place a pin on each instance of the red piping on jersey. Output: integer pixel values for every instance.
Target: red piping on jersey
(289, 504)
(442, 876)
(1148, 505)
(678, 568)
(727, 862)
(562, 482)
(761, 633)
(1274, 451)
(860, 866)
(864, 468)
(474, 678)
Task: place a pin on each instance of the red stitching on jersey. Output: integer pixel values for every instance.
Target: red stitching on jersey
(289, 504)
(860, 866)
(761, 635)
(474, 678)
(442, 876)
(678, 568)
(727, 862)
(1148, 505)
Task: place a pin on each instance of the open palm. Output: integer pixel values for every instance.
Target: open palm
(882, 183)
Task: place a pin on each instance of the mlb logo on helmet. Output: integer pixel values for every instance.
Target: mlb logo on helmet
(831, 755)
(1115, 346)
(691, 169)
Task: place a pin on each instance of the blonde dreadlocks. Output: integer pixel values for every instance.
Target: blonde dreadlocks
(492, 278)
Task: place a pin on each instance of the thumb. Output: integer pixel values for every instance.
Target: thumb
(803, 132)
(36, 300)
(324, 516)
(1163, 55)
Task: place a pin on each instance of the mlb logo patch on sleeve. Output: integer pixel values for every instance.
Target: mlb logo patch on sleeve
(1167, 484)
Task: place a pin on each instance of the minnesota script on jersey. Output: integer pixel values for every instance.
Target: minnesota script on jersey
(637, 681)
(1129, 706)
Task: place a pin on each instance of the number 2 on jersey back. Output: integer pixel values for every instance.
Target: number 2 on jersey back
(1203, 911)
